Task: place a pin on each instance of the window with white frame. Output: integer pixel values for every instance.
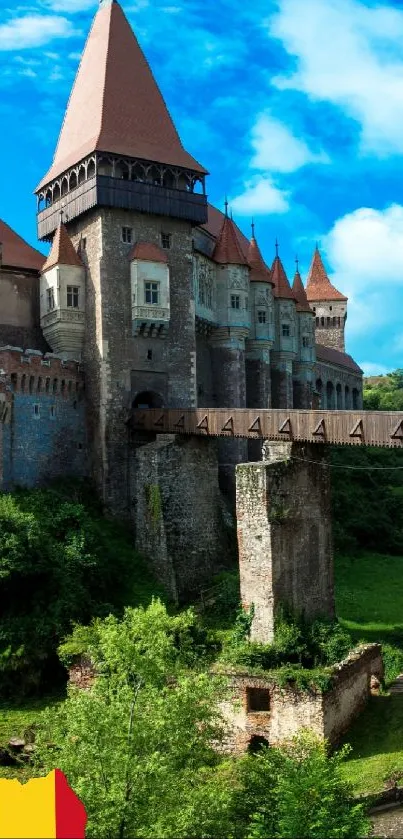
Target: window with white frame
(73, 295)
(127, 235)
(286, 331)
(235, 301)
(50, 299)
(305, 341)
(261, 316)
(151, 293)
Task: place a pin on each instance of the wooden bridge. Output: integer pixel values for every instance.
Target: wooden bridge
(365, 428)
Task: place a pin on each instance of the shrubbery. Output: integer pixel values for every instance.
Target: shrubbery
(60, 562)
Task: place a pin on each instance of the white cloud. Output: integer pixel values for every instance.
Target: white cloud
(365, 250)
(277, 150)
(371, 368)
(33, 31)
(260, 197)
(70, 6)
(350, 54)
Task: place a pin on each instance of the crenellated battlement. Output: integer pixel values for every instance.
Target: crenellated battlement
(31, 372)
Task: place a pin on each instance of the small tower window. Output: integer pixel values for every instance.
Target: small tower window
(258, 700)
(166, 241)
(149, 355)
(261, 316)
(246, 303)
(305, 341)
(36, 411)
(50, 297)
(127, 235)
(151, 293)
(286, 330)
(235, 301)
(72, 296)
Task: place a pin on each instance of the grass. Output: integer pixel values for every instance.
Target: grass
(369, 602)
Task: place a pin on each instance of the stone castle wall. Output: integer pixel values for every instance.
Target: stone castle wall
(43, 426)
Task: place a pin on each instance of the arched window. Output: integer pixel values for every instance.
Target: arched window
(356, 399)
(73, 181)
(322, 321)
(347, 398)
(330, 400)
(339, 398)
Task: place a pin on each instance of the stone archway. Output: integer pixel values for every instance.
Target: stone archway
(330, 396)
(257, 743)
(148, 399)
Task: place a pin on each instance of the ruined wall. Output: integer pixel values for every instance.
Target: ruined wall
(43, 435)
(285, 534)
(181, 522)
(290, 711)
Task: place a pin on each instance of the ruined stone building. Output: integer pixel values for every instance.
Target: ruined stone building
(149, 296)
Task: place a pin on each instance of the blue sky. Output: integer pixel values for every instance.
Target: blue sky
(294, 106)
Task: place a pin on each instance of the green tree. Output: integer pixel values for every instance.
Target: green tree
(137, 747)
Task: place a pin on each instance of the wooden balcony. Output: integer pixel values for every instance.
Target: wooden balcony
(105, 191)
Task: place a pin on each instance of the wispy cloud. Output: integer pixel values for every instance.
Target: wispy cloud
(350, 54)
(371, 368)
(33, 30)
(260, 197)
(276, 149)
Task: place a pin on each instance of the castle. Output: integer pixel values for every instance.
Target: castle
(149, 296)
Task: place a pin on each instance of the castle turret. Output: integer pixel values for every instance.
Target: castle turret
(305, 362)
(261, 338)
(286, 337)
(328, 304)
(62, 297)
(228, 340)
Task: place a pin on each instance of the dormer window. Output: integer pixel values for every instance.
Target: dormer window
(73, 292)
(151, 293)
(50, 299)
(261, 316)
(286, 330)
(127, 235)
(166, 241)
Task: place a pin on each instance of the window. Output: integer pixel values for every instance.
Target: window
(166, 240)
(50, 299)
(261, 316)
(151, 293)
(286, 330)
(258, 699)
(246, 303)
(305, 341)
(52, 412)
(235, 301)
(127, 235)
(149, 355)
(83, 244)
(72, 296)
(206, 291)
(36, 411)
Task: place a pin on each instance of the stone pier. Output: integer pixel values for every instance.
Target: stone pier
(285, 534)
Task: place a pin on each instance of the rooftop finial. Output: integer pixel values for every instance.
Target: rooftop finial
(61, 214)
(253, 228)
(297, 263)
(277, 248)
(226, 206)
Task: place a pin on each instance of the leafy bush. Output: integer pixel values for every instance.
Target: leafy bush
(60, 562)
(393, 662)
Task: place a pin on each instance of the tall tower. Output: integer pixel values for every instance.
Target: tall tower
(286, 339)
(305, 362)
(261, 337)
(328, 304)
(130, 194)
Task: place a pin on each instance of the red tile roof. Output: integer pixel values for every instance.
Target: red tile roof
(228, 250)
(300, 294)
(319, 286)
(260, 273)
(148, 252)
(115, 105)
(16, 253)
(215, 223)
(332, 356)
(282, 287)
(62, 251)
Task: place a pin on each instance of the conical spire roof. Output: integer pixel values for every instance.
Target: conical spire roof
(260, 273)
(319, 286)
(62, 251)
(228, 250)
(300, 294)
(115, 105)
(282, 287)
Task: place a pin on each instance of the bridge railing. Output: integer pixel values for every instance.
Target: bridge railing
(369, 428)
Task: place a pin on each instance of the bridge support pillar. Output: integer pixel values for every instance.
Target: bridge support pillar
(285, 534)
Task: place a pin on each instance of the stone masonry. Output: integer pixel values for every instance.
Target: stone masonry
(285, 534)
